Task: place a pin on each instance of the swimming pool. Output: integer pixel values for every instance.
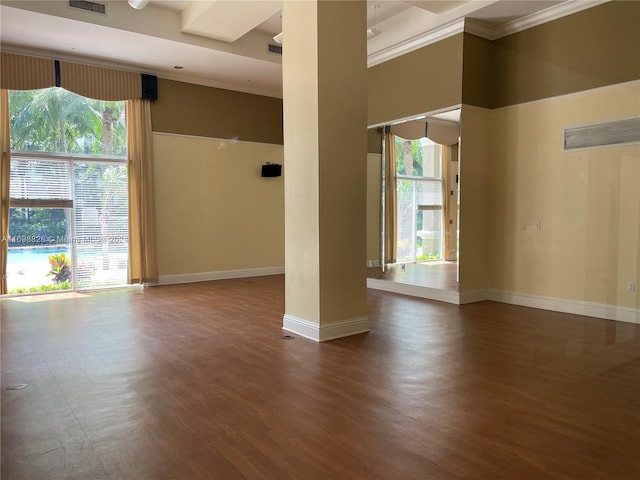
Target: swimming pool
(28, 267)
(35, 255)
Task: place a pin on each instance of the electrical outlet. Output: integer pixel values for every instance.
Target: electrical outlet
(631, 287)
(537, 226)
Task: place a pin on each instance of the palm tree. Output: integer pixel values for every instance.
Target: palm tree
(58, 121)
(408, 157)
(50, 121)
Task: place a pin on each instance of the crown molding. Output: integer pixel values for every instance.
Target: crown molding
(544, 16)
(481, 29)
(416, 42)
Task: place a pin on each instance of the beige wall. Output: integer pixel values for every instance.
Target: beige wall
(420, 81)
(189, 109)
(477, 71)
(451, 229)
(593, 48)
(374, 140)
(587, 202)
(475, 154)
(214, 210)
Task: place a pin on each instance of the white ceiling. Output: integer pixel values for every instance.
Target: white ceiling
(224, 43)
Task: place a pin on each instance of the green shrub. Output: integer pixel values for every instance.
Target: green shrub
(60, 267)
(66, 285)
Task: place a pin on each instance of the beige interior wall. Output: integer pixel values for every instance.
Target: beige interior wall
(477, 71)
(421, 81)
(475, 154)
(596, 47)
(374, 179)
(451, 224)
(587, 202)
(214, 210)
(189, 109)
(374, 140)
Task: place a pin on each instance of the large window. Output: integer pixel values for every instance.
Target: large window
(419, 200)
(68, 215)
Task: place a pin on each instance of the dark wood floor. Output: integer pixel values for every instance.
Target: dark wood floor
(195, 382)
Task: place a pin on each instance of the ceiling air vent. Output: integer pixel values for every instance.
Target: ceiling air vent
(275, 49)
(89, 6)
(602, 134)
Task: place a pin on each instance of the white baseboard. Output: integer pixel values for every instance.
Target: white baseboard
(576, 307)
(414, 290)
(218, 275)
(474, 296)
(324, 332)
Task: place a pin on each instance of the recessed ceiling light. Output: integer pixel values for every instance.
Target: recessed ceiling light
(178, 67)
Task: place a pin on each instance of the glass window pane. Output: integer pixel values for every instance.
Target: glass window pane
(419, 203)
(57, 121)
(39, 256)
(429, 193)
(430, 235)
(101, 228)
(33, 178)
(431, 158)
(408, 157)
(406, 216)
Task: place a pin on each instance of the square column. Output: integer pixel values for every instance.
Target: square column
(325, 151)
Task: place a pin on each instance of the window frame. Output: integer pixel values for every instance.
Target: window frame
(69, 160)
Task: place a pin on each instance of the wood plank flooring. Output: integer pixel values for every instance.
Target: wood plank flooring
(196, 382)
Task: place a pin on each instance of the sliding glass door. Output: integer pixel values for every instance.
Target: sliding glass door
(68, 224)
(101, 224)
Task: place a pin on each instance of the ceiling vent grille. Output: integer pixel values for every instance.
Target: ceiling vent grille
(602, 134)
(88, 6)
(275, 49)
